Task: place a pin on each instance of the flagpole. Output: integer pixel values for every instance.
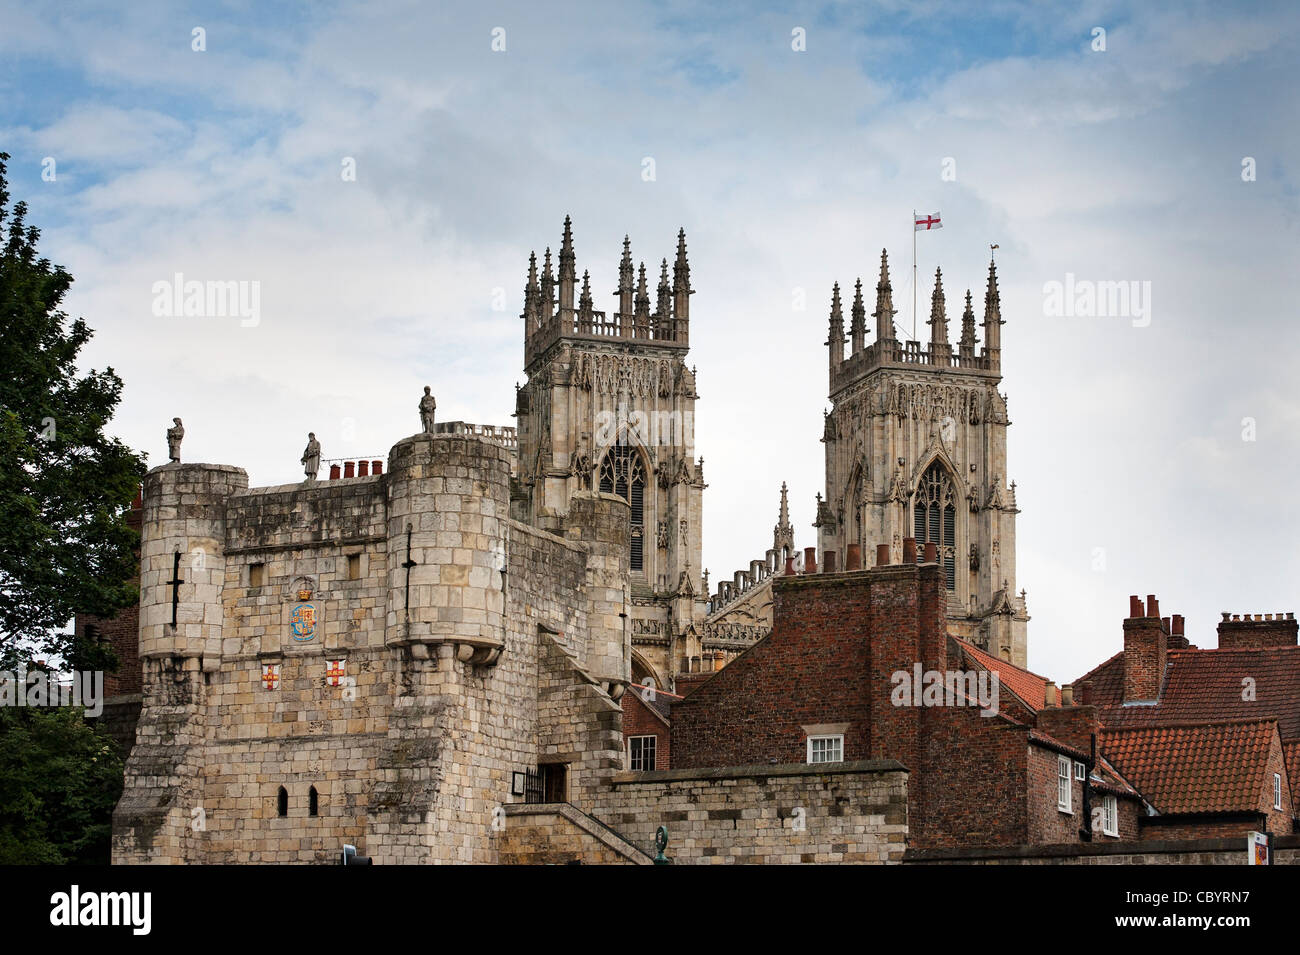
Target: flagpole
(913, 275)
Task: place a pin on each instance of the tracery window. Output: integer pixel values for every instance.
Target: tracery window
(935, 513)
(622, 472)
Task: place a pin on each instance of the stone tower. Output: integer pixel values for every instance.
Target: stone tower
(609, 405)
(916, 446)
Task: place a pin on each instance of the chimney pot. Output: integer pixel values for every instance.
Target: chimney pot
(334, 472)
(1178, 624)
(1153, 606)
(931, 552)
(789, 566)
(882, 555)
(1067, 695)
(810, 560)
(1135, 606)
(349, 469)
(376, 467)
(853, 561)
(828, 561)
(909, 550)
(363, 469)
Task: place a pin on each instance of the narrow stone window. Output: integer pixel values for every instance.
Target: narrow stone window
(282, 802)
(354, 567)
(313, 802)
(256, 575)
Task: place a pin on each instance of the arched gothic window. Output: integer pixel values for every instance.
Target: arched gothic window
(935, 514)
(282, 802)
(623, 473)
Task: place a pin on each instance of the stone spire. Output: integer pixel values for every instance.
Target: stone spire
(992, 323)
(663, 304)
(532, 295)
(967, 343)
(938, 322)
(548, 288)
(836, 338)
(625, 282)
(682, 292)
(783, 533)
(642, 323)
(884, 313)
(585, 316)
(858, 326)
(568, 269)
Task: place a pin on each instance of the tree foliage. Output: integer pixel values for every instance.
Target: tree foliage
(65, 485)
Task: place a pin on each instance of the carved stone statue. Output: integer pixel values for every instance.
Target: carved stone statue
(174, 436)
(311, 456)
(428, 404)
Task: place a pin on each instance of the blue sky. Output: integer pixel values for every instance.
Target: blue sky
(788, 170)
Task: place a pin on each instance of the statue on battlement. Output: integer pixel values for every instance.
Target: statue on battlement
(174, 436)
(428, 404)
(311, 456)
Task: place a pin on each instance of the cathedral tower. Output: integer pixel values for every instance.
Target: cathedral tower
(916, 444)
(609, 406)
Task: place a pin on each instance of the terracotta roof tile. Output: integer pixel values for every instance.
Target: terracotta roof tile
(1029, 687)
(1195, 767)
(1206, 685)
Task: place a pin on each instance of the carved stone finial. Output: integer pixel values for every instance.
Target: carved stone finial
(174, 436)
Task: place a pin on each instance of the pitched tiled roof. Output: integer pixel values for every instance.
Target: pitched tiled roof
(1291, 756)
(1205, 685)
(1029, 687)
(1195, 767)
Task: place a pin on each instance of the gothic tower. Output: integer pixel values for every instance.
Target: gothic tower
(916, 446)
(609, 406)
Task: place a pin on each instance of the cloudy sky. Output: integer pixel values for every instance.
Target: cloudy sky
(1152, 454)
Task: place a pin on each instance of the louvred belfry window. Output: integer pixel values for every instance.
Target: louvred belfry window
(935, 514)
(623, 473)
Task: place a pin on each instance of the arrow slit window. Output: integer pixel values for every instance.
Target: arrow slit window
(935, 513)
(623, 473)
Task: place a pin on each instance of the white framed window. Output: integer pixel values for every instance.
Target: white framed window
(1277, 790)
(1064, 784)
(641, 752)
(826, 749)
(1080, 770)
(1110, 816)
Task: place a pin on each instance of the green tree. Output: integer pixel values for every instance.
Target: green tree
(59, 781)
(65, 486)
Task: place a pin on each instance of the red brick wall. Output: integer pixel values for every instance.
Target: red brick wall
(639, 720)
(1280, 822)
(1047, 823)
(970, 789)
(1072, 725)
(1209, 828)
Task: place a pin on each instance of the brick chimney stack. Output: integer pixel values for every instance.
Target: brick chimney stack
(1244, 632)
(1145, 643)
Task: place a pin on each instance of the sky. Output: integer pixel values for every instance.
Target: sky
(1153, 451)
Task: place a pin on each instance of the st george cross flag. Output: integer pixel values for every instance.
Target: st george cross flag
(926, 223)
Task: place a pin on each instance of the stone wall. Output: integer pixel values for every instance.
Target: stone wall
(843, 812)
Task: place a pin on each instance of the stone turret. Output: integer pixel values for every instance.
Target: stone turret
(858, 328)
(448, 502)
(600, 522)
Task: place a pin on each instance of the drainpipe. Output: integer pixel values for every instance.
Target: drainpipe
(1086, 832)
